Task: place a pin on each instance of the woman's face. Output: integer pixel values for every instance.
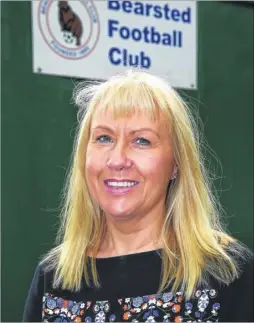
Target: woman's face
(129, 163)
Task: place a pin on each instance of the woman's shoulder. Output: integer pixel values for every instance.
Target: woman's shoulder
(42, 273)
(49, 262)
(245, 275)
(237, 298)
(42, 278)
(243, 260)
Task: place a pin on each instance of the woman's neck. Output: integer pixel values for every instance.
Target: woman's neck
(130, 237)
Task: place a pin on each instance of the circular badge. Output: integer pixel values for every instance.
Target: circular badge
(70, 28)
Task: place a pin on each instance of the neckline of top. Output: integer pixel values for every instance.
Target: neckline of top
(131, 256)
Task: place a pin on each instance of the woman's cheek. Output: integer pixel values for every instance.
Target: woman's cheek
(149, 162)
(155, 167)
(93, 164)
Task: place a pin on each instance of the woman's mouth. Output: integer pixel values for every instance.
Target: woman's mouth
(119, 187)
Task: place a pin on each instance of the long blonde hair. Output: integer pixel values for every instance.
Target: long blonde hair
(195, 246)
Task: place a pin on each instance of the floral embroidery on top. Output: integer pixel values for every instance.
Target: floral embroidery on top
(60, 310)
(167, 307)
(164, 307)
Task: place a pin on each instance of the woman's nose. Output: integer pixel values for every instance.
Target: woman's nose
(118, 157)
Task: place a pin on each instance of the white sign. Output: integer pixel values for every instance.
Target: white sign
(97, 39)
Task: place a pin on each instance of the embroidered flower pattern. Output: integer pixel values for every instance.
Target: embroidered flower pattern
(164, 307)
(56, 309)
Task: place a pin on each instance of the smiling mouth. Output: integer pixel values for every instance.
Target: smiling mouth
(120, 187)
(120, 184)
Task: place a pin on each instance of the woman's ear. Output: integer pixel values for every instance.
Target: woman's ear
(174, 173)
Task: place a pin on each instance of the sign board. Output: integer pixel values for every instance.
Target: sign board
(99, 38)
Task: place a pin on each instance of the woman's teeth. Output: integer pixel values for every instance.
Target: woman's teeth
(121, 184)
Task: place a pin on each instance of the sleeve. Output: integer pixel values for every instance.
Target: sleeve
(238, 297)
(33, 305)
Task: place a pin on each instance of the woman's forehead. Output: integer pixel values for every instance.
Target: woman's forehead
(131, 121)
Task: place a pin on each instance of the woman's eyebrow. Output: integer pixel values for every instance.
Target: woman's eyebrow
(144, 129)
(132, 131)
(102, 127)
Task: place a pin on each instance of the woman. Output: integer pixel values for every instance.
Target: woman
(140, 238)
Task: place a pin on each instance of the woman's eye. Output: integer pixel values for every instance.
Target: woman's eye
(103, 139)
(143, 142)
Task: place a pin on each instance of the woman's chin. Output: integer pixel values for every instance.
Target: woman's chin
(119, 214)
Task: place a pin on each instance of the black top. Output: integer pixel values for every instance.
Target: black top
(128, 293)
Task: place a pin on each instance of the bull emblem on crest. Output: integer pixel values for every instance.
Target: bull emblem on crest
(70, 23)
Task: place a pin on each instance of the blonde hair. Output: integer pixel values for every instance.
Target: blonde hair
(195, 246)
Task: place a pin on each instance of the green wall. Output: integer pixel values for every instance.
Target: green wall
(38, 123)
